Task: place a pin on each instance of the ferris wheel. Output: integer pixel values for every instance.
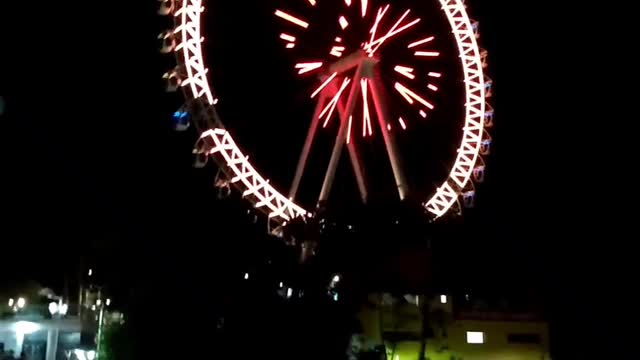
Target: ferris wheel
(392, 92)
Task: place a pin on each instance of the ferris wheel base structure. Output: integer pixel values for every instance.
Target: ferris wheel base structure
(191, 76)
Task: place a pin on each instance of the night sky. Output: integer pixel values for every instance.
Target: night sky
(90, 165)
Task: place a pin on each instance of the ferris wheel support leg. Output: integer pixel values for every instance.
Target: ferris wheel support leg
(302, 162)
(358, 169)
(389, 141)
(341, 137)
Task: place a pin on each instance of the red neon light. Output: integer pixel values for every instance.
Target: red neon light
(404, 126)
(322, 86)
(306, 67)
(432, 87)
(423, 114)
(291, 18)
(388, 126)
(426, 53)
(406, 71)
(348, 2)
(338, 39)
(290, 45)
(343, 22)
(434, 74)
(312, 2)
(287, 37)
(420, 42)
(364, 4)
(410, 95)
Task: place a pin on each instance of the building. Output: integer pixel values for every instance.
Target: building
(450, 333)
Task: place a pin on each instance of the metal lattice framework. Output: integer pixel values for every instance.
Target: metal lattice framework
(191, 75)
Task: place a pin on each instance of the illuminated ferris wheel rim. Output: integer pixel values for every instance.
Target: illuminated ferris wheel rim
(280, 208)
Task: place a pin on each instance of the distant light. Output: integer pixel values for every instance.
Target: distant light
(397, 357)
(93, 307)
(335, 297)
(80, 354)
(91, 354)
(26, 327)
(10, 302)
(63, 309)
(466, 296)
(336, 278)
(289, 292)
(108, 302)
(98, 302)
(246, 276)
(53, 308)
(90, 272)
(475, 337)
(281, 284)
(443, 299)
(21, 302)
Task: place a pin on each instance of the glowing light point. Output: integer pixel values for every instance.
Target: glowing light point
(443, 299)
(343, 22)
(246, 276)
(338, 39)
(292, 19)
(312, 2)
(434, 74)
(348, 139)
(432, 87)
(290, 45)
(389, 127)
(348, 2)
(423, 114)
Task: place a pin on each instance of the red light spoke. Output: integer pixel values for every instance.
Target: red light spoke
(402, 124)
(324, 84)
(392, 32)
(337, 51)
(287, 37)
(364, 4)
(306, 67)
(420, 42)
(343, 22)
(434, 74)
(410, 95)
(405, 71)
(332, 104)
(423, 114)
(348, 2)
(366, 117)
(349, 129)
(432, 87)
(312, 2)
(292, 19)
(374, 28)
(426, 53)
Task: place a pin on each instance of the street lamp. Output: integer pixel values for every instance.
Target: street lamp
(11, 302)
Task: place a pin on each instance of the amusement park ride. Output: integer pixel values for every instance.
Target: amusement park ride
(399, 84)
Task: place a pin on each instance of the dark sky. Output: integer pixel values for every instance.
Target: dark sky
(90, 164)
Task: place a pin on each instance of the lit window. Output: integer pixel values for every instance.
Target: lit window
(443, 299)
(475, 337)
